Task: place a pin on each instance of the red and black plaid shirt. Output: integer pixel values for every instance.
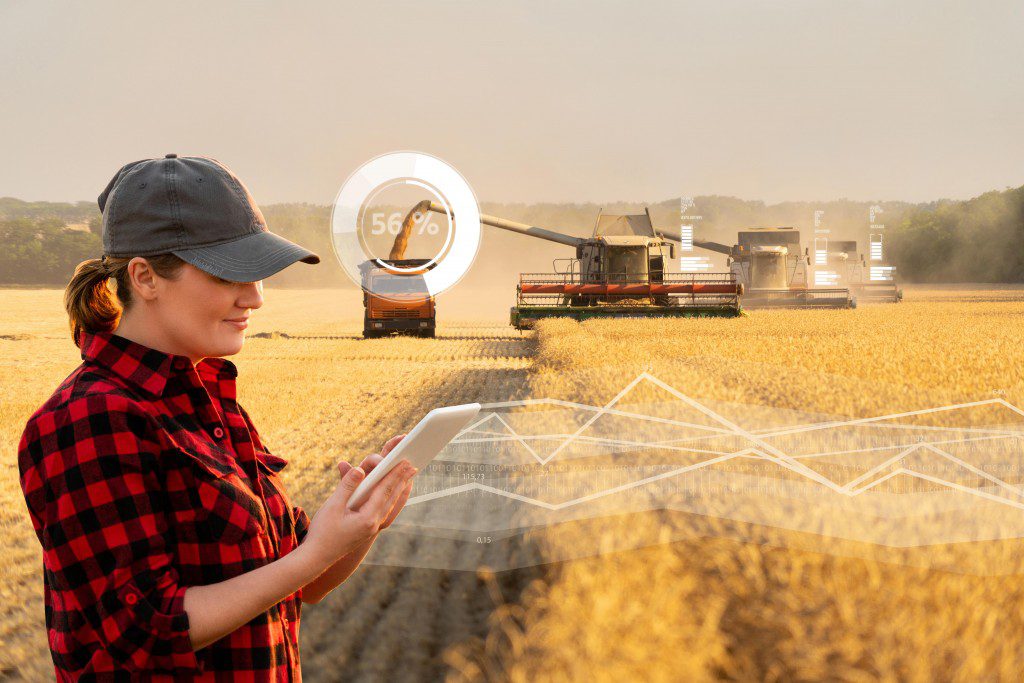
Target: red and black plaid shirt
(144, 476)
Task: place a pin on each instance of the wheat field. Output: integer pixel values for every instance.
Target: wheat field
(740, 602)
(707, 603)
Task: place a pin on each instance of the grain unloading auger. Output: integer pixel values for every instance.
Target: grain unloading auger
(773, 272)
(619, 272)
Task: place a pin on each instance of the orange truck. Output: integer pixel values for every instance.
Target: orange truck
(395, 302)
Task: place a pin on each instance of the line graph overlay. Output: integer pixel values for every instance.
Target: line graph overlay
(947, 474)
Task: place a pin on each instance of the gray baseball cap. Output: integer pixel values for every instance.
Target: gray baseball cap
(196, 209)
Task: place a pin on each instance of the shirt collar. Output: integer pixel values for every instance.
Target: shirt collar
(146, 368)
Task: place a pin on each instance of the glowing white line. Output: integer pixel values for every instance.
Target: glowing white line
(799, 467)
(774, 454)
(568, 503)
(596, 415)
(866, 420)
(609, 411)
(900, 445)
(896, 458)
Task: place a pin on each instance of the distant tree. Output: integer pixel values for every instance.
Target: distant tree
(42, 251)
(977, 240)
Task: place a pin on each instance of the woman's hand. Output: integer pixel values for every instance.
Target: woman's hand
(367, 466)
(336, 531)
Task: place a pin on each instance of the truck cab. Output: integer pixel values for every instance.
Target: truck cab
(397, 303)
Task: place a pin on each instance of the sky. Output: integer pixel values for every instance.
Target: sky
(531, 101)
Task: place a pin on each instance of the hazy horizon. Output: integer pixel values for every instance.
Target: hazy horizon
(533, 102)
(610, 202)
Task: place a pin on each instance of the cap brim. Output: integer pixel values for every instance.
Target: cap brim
(250, 258)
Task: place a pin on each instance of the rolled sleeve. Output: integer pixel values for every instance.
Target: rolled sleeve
(103, 522)
(301, 523)
(144, 637)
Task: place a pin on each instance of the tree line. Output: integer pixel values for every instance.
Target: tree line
(975, 240)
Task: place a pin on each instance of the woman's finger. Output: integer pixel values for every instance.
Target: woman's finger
(386, 489)
(396, 495)
(349, 483)
(398, 506)
(344, 467)
(392, 512)
(391, 443)
(371, 461)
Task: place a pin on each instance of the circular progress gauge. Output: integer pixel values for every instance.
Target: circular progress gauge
(368, 212)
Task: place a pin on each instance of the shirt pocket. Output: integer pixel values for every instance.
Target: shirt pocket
(213, 504)
(277, 499)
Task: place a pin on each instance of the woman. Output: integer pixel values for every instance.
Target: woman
(170, 549)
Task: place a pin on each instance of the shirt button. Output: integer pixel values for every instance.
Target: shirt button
(131, 598)
(219, 433)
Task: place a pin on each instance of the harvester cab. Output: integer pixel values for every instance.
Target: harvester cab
(774, 272)
(620, 271)
(770, 259)
(843, 259)
(623, 249)
(872, 285)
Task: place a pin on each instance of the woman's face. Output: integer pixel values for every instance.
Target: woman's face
(203, 315)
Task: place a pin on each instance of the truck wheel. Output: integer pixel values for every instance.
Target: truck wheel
(427, 334)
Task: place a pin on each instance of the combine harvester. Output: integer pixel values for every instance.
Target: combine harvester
(854, 273)
(773, 272)
(619, 272)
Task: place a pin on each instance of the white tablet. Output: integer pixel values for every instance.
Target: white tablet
(420, 446)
